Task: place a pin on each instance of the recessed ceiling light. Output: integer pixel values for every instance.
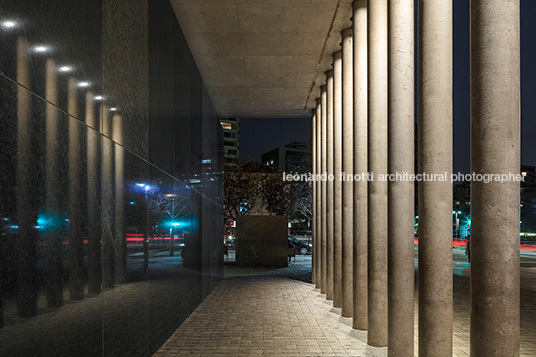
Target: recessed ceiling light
(40, 49)
(99, 97)
(83, 84)
(9, 24)
(113, 109)
(66, 69)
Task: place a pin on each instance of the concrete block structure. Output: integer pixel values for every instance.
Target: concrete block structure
(261, 241)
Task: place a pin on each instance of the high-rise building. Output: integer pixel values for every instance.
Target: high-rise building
(528, 199)
(293, 157)
(462, 195)
(231, 137)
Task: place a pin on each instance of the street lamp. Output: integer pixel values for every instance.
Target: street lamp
(145, 188)
(457, 224)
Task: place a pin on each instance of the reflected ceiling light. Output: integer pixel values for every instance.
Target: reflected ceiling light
(113, 109)
(9, 24)
(40, 49)
(83, 84)
(99, 97)
(65, 69)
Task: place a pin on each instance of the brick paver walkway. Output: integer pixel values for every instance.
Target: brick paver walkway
(268, 316)
(256, 312)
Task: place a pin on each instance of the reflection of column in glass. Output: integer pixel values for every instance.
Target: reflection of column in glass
(347, 167)
(377, 159)
(435, 197)
(329, 193)
(76, 242)
(53, 201)
(171, 233)
(401, 193)
(146, 232)
(93, 196)
(495, 149)
(107, 199)
(360, 283)
(323, 189)
(120, 243)
(314, 217)
(337, 185)
(26, 205)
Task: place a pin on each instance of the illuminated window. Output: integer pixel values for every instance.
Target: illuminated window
(226, 126)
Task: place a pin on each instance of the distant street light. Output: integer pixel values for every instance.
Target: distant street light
(457, 223)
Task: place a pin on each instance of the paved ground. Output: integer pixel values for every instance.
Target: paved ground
(275, 312)
(268, 316)
(298, 269)
(252, 312)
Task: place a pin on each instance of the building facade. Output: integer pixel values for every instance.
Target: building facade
(231, 138)
(528, 199)
(293, 157)
(111, 165)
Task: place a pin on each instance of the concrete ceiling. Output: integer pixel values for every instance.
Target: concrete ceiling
(263, 58)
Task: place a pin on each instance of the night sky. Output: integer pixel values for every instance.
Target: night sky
(259, 135)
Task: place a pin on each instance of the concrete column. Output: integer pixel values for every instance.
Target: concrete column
(495, 149)
(337, 184)
(360, 213)
(26, 207)
(435, 197)
(93, 197)
(54, 191)
(377, 160)
(318, 213)
(330, 189)
(324, 189)
(120, 242)
(314, 233)
(76, 241)
(107, 195)
(347, 168)
(401, 193)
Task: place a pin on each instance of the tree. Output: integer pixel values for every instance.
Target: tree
(290, 198)
(276, 194)
(241, 191)
(302, 199)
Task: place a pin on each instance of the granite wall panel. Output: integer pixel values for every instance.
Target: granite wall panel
(111, 162)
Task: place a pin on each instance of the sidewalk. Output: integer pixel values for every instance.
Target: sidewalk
(268, 316)
(270, 312)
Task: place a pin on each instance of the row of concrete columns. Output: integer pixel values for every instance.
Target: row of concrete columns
(363, 124)
(62, 205)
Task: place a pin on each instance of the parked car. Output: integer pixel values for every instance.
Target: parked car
(300, 246)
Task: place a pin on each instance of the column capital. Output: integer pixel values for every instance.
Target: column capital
(359, 3)
(347, 32)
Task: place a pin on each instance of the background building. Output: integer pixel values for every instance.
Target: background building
(528, 199)
(293, 157)
(231, 137)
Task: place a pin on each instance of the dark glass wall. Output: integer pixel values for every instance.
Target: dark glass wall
(111, 160)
